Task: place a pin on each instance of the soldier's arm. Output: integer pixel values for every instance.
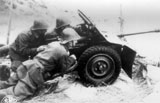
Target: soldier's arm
(24, 49)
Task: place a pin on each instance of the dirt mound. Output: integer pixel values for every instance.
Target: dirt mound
(124, 90)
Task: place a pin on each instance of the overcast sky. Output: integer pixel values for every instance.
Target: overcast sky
(136, 13)
(139, 15)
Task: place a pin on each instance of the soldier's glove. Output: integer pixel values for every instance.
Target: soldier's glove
(47, 75)
(67, 64)
(41, 48)
(73, 56)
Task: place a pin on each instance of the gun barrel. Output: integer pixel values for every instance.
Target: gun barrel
(130, 34)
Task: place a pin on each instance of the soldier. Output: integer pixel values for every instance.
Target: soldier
(32, 73)
(53, 33)
(25, 46)
(24, 42)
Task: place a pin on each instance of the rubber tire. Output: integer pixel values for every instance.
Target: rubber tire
(85, 58)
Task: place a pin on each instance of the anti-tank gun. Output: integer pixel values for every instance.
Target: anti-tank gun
(99, 59)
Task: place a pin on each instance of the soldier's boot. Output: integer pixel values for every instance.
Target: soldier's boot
(13, 79)
(27, 86)
(15, 76)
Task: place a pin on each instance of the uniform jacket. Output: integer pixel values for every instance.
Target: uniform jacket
(49, 57)
(24, 46)
(31, 73)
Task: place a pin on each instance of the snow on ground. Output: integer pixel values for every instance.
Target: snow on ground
(124, 90)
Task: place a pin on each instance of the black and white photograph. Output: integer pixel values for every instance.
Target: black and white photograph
(79, 51)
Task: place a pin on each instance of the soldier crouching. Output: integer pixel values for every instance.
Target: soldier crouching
(31, 73)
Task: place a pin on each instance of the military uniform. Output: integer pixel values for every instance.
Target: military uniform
(24, 46)
(31, 74)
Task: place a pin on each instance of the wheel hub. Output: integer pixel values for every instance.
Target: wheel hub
(100, 65)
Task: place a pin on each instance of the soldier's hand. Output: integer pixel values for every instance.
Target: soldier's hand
(73, 56)
(41, 48)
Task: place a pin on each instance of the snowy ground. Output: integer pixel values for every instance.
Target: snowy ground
(124, 90)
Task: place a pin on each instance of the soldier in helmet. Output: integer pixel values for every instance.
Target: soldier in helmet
(53, 33)
(26, 45)
(32, 73)
(30, 43)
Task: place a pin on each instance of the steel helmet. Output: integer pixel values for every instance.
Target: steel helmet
(39, 24)
(4, 72)
(62, 21)
(69, 34)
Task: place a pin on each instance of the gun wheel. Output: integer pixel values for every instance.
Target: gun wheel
(99, 65)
